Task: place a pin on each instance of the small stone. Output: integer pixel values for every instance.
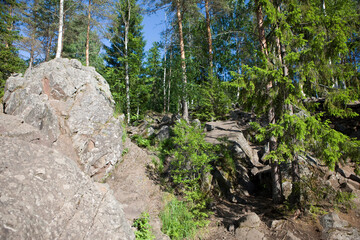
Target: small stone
(209, 127)
(249, 220)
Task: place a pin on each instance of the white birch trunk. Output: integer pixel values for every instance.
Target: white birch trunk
(61, 25)
(127, 80)
(87, 53)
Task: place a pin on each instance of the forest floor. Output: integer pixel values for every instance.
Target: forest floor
(135, 186)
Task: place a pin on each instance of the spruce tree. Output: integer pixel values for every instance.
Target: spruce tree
(154, 73)
(75, 42)
(125, 53)
(9, 59)
(303, 47)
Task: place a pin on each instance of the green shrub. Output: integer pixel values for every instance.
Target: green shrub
(344, 199)
(143, 228)
(140, 141)
(192, 157)
(125, 151)
(177, 221)
(158, 164)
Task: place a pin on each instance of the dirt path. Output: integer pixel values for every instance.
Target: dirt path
(133, 188)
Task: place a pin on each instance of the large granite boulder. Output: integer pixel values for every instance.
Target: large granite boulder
(72, 106)
(45, 195)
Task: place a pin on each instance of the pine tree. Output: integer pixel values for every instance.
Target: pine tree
(30, 36)
(9, 59)
(154, 73)
(47, 26)
(75, 40)
(126, 51)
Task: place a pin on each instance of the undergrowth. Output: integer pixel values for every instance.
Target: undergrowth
(143, 228)
(178, 222)
(141, 141)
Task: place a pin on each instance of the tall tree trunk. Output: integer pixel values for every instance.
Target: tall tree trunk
(185, 111)
(32, 50)
(164, 82)
(127, 80)
(169, 83)
(208, 28)
(275, 170)
(87, 53)
(260, 23)
(61, 25)
(238, 88)
(164, 79)
(295, 196)
(48, 47)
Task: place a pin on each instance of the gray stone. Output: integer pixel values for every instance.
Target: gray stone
(149, 131)
(355, 178)
(196, 123)
(287, 188)
(164, 133)
(250, 153)
(343, 172)
(332, 220)
(175, 118)
(337, 229)
(238, 152)
(44, 195)
(255, 171)
(166, 119)
(73, 107)
(291, 236)
(250, 220)
(244, 179)
(209, 127)
(277, 224)
(14, 127)
(249, 234)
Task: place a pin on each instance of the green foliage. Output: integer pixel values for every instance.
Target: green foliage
(224, 158)
(192, 158)
(116, 56)
(337, 101)
(212, 102)
(319, 197)
(178, 221)
(158, 164)
(143, 228)
(154, 83)
(299, 133)
(141, 141)
(317, 211)
(9, 59)
(125, 151)
(345, 199)
(75, 42)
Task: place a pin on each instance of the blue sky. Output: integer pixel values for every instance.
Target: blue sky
(153, 24)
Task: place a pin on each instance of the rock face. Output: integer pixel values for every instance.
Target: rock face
(73, 108)
(44, 194)
(337, 229)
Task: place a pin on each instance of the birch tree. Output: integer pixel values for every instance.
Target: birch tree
(60, 34)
